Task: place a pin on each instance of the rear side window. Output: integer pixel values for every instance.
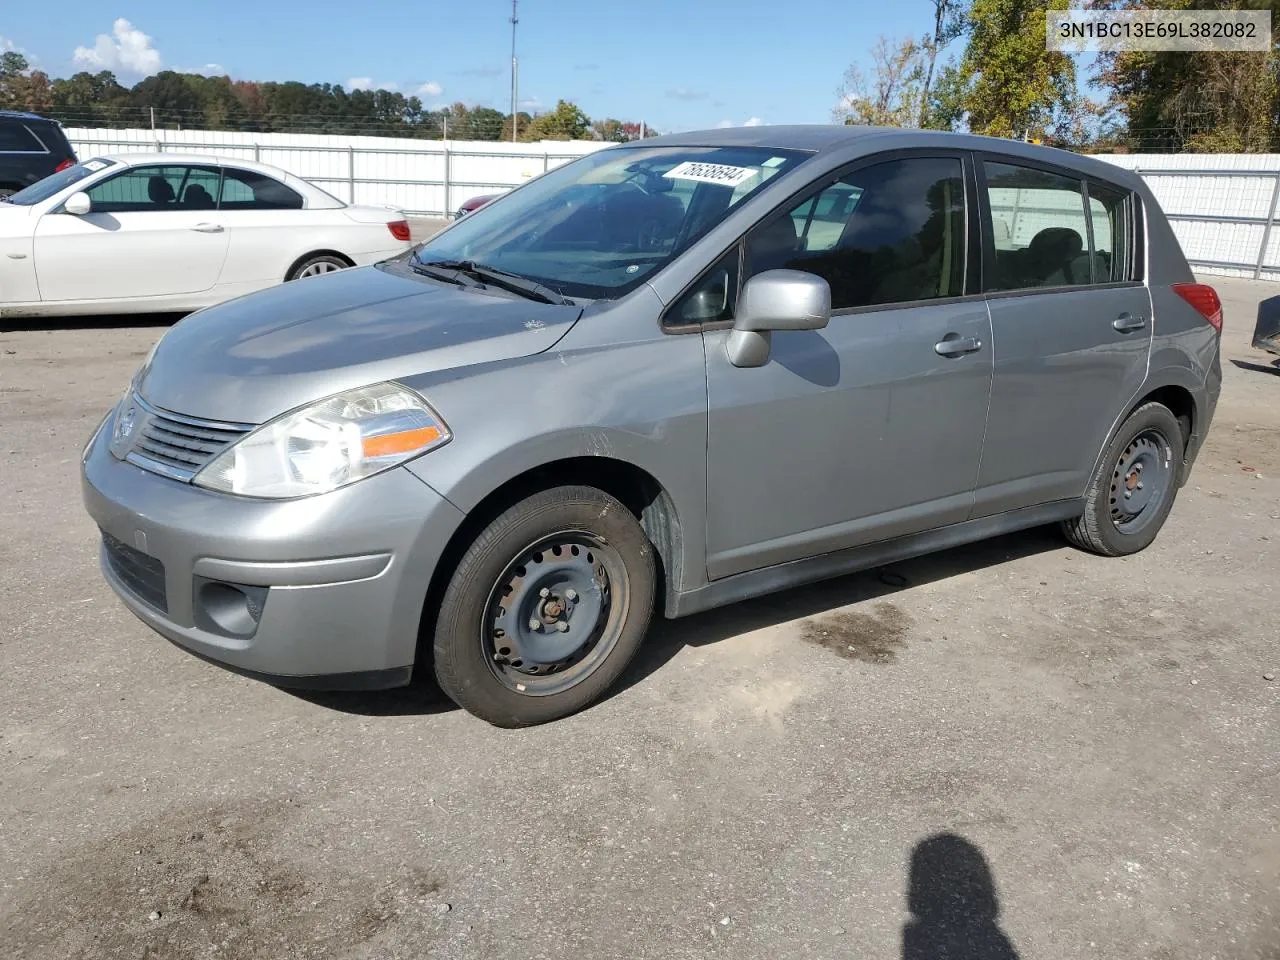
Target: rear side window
(889, 233)
(246, 190)
(1038, 227)
(17, 138)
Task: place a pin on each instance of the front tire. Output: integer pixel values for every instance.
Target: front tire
(1133, 489)
(546, 608)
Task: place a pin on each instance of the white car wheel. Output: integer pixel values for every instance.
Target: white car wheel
(317, 265)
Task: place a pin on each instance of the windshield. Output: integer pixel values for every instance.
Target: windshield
(57, 182)
(599, 226)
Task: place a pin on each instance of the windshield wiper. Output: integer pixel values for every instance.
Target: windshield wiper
(511, 282)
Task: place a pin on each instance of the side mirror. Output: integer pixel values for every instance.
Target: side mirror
(78, 204)
(776, 300)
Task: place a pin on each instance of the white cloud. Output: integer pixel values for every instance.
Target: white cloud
(208, 70)
(749, 122)
(753, 122)
(127, 49)
(366, 83)
(529, 103)
(429, 89)
(725, 124)
(8, 46)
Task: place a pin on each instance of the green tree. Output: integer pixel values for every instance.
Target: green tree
(565, 122)
(948, 23)
(1012, 85)
(1210, 101)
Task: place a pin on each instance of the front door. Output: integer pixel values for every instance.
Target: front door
(151, 232)
(1071, 327)
(872, 427)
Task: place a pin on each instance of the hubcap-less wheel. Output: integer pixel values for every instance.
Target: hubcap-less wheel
(1140, 481)
(555, 613)
(319, 267)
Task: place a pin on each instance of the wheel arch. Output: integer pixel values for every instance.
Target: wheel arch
(1176, 389)
(317, 253)
(636, 488)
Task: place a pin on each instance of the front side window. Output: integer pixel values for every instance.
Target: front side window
(602, 225)
(889, 233)
(247, 190)
(153, 189)
(1038, 227)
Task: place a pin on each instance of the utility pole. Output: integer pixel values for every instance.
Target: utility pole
(514, 20)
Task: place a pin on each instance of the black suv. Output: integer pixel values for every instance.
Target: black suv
(31, 148)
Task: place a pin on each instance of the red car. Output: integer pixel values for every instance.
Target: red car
(474, 204)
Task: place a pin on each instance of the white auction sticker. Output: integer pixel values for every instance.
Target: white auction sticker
(93, 166)
(720, 173)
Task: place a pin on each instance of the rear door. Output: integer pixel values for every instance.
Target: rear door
(872, 427)
(1071, 327)
(152, 232)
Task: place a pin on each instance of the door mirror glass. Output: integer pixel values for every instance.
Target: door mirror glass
(776, 300)
(78, 204)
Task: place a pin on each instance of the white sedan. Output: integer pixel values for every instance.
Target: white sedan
(162, 232)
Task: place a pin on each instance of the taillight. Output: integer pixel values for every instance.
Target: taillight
(63, 165)
(1205, 299)
(399, 229)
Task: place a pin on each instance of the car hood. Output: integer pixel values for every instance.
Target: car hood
(250, 359)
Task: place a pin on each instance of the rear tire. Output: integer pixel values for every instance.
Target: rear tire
(321, 263)
(546, 608)
(1133, 489)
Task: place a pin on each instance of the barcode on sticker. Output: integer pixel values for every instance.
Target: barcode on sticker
(720, 173)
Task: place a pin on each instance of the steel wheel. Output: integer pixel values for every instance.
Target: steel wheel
(555, 613)
(1140, 481)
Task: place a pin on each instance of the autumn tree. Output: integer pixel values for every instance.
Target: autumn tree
(892, 95)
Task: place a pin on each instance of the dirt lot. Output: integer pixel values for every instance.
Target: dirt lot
(1014, 749)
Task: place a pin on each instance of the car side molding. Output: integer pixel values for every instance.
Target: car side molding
(796, 573)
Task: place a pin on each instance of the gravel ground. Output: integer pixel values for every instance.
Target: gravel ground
(1011, 749)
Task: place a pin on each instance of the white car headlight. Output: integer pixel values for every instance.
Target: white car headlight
(328, 444)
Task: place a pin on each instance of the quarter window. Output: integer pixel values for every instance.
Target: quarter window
(1109, 213)
(889, 233)
(1038, 228)
(246, 190)
(711, 299)
(18, 138)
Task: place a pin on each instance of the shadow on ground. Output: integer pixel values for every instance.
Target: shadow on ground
(1273, 368)
(115, 321)
(667, 637)
(954, 908)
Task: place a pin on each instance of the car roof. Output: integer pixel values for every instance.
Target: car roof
(824, 138)
(146, 159)
(22, 115)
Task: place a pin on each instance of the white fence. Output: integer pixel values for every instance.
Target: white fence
(1222, 206)
(429, 177)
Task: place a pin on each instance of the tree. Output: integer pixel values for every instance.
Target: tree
(565, 122)
(1013, 85)
(892, 97)
(948, 24)
(1202, 101)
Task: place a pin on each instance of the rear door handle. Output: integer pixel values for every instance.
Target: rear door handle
(953, 346)
(1127, 323)
(207, 228)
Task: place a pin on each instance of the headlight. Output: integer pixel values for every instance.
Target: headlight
(328, 444)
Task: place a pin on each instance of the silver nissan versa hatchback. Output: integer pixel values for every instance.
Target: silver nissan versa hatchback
(670, 375)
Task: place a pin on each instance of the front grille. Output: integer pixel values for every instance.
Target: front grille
(179, 446)
(141, 574)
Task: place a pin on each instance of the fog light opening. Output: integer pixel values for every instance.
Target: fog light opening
(230, 608)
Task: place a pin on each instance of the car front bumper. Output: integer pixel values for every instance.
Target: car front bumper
(320, 592)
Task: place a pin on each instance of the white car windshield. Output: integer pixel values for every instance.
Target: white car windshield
(57, 182)
(600, 226)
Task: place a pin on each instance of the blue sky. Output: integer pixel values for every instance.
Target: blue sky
(675, 64)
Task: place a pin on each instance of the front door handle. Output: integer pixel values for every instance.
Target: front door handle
(207, 228)
(1127, 323)
(954, 346)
